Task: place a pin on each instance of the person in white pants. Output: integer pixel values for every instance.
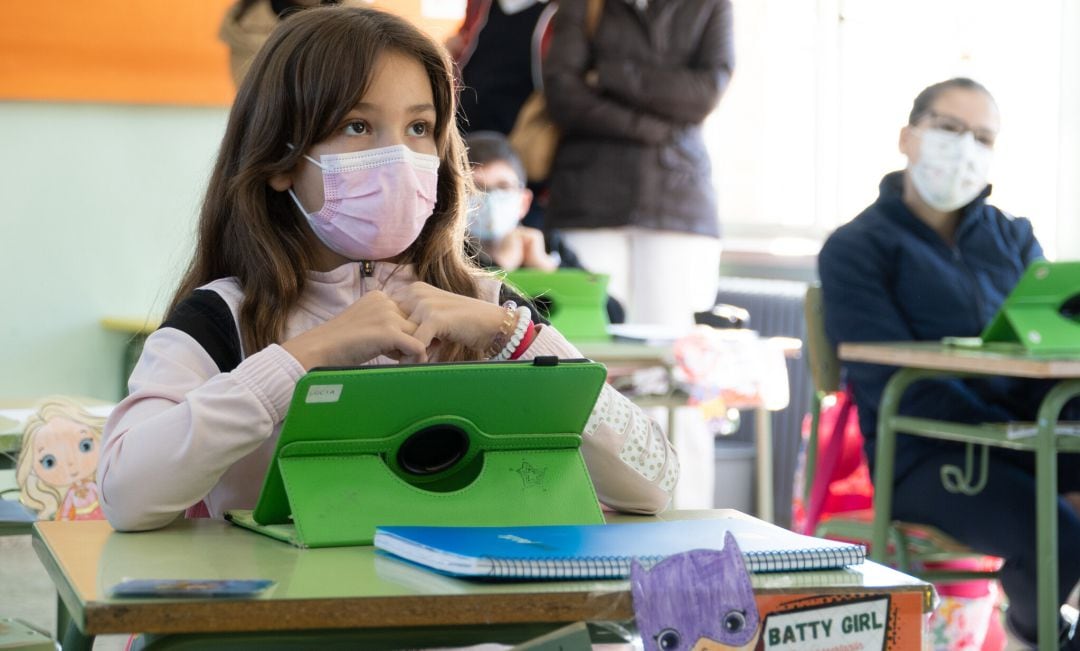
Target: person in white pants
(631, 182)
(662, 277)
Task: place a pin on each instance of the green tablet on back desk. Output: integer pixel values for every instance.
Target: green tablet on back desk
(1042, 313)
(471, 443)
(575, 301)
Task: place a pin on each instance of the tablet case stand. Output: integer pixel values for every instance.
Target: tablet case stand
(1042, 313)
(574, 300)
(441, 444)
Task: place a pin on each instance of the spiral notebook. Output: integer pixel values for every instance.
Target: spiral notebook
(605, 551)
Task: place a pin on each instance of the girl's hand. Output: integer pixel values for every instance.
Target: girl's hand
(443, 315)
(535, 253)
(372, 326)
(509, 254)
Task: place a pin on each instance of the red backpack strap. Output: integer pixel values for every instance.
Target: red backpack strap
(828, 458)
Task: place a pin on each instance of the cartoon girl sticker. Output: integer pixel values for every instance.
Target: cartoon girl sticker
(58, 461)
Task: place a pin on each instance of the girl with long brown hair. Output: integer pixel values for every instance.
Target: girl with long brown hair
(332, 234)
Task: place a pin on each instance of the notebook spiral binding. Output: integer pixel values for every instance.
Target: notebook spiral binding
(615, 567)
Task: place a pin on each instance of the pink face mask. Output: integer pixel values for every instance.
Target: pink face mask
(376, 202)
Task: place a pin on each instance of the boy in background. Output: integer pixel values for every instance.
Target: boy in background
(501, 241)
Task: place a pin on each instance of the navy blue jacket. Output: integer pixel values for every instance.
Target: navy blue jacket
(887, 276)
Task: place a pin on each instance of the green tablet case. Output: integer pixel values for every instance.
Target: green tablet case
(575, 301)
(1041, 313)
(479, 443)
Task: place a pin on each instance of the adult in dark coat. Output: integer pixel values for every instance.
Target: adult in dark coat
(631, 185)
(498, 50)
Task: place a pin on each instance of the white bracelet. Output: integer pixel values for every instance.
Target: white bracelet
(524, 317)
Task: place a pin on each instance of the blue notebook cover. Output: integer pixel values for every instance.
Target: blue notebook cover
(606, 550)
(12, 511)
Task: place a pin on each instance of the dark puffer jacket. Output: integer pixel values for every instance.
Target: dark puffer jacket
(887, 276)
(632, 151)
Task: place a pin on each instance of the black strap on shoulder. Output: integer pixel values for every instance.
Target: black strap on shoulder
(206, 317)
(507, 294)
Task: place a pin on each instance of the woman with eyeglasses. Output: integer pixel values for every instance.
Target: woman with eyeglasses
(931, 258)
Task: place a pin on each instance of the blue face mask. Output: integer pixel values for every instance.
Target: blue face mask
(494, 215)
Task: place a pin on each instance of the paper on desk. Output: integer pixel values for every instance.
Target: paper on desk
(1027, 430)
(734, 366)
(649, 333)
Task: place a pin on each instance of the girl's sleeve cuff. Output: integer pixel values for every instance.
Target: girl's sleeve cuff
(271, 374)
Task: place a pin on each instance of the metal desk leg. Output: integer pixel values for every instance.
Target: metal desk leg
(763, 432)
(63, 618)
(68, 633)
(1046, 499)
(885, 456)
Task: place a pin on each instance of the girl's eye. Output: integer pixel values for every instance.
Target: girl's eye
(356, 128)
(86, 445)
(420, 128)
(48, 461)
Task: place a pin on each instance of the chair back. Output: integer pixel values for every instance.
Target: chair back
(820, 354)
(825, 376)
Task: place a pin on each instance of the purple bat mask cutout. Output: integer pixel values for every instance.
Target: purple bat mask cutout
(697, 600)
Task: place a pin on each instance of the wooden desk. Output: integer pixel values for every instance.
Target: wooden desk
(921, 360)
(355, 588)
(616, 355)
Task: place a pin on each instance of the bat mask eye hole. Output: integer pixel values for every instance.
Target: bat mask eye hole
(668, 639)
(734, 621)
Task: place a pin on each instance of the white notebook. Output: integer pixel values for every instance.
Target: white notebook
(606, 550)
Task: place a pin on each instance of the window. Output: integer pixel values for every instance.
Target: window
(810, 122)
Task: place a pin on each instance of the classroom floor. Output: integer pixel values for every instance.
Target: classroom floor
(27, 593)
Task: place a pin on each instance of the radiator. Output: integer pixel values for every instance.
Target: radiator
(776, 309)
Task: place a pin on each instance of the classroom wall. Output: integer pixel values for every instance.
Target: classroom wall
(110, 116)
(1068, 234)
(142, 51)
(97, 210)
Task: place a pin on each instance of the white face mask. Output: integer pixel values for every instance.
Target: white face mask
(494, 215)
(952, 169)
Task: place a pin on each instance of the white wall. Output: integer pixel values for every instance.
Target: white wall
(97, 212)
(1068, 236)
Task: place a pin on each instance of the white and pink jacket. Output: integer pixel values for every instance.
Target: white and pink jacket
(189, 433)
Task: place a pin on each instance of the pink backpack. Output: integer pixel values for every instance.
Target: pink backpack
(842, 477)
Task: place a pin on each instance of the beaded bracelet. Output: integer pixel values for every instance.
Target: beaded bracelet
(524, 318)
(526, 341)
(505, 330)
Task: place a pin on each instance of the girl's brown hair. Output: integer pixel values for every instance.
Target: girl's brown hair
(313, 70)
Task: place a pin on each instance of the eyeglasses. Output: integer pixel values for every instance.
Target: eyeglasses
(955, 125)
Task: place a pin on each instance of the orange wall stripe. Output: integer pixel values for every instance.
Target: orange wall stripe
(138, 51)
(129, 51)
